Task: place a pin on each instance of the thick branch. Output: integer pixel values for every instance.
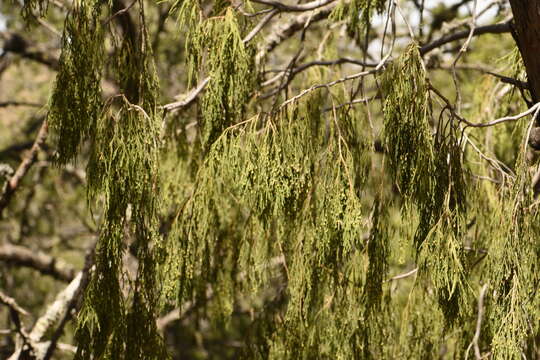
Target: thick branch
(499, 28)
(54, 319)
(16, 44)
(282, 32)
(45, 264)
(295, 8)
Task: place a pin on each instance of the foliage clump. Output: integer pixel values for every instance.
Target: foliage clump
(297, 167)
(514, 275)
(33, 8)
(123, 168)
(76, 100)
(428, 172)
(407, 132)
(358, 13)
(215, 44)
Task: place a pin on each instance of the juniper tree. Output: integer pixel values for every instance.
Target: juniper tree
(333, 182)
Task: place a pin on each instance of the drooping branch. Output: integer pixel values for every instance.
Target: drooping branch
(279, 34)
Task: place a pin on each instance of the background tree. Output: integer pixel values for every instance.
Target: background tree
(337, 179)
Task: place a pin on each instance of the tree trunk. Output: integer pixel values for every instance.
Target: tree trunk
(527, 34)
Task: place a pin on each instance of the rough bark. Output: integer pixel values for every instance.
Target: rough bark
(527, 34)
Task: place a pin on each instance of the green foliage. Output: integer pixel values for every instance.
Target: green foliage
(76, 101)
(358, 13)
(228, 62)
(259, 178)
(428, 173)
(407, 132)
(123, 168)
(514, 275)
(281, 228)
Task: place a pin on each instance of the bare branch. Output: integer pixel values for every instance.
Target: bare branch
(449, 105)
(282, 32)
(404, 275)
(119, 12)
(11, 186)
(488, 71)
(55, 318)
(378, 68)
(189, 98)
(19, 103)
(499, 28)
(300, 68)
(17, 44)
(260, 25)
(45, 264)
(12, 304)
(294, 8)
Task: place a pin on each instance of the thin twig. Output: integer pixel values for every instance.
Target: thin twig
(19, 103)
(489, 123)
(404, 275)
(486, 70)
(12, 304)
(119, 12)
(476, 337)
(462, 51)
(11, 186)
(305, 66)
(304, 92)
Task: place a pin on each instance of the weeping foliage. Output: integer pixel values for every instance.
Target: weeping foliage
(285, 192)
(429, 174)
(514, 280)
(284, 215)
(228, 62)
(407, 133)
(76, 100)
(123, 169)
(358, 13)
